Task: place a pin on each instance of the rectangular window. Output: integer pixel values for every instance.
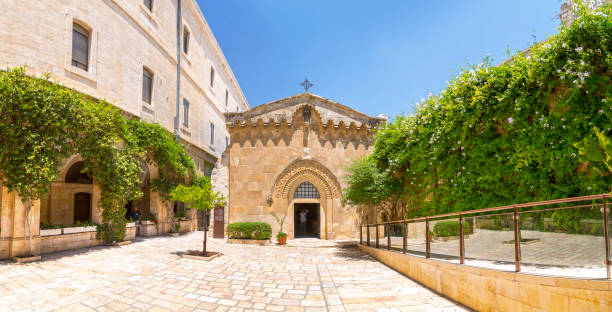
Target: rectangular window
(212, 76)
(226, 98)
(185, 40)
(80, 47)
(185, 113)
(147, 85)
(149, 4)
(226, 141)
(212, 134)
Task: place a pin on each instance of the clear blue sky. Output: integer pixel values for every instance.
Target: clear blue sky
(379, 57)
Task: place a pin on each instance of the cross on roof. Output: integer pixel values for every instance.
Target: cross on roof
(306, 84)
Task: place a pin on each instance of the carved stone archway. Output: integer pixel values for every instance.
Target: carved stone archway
(306, 170)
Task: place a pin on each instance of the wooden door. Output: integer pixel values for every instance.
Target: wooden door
(82, 207)
(219, 222)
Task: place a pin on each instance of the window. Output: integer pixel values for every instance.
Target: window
(212, 134)
(185, 40)
(226, 97)
(149, 4)
(147, 85)
(236, 109)
(306, 190)
(185, 113)
(226, 141)
(80, 47)
(212, 76)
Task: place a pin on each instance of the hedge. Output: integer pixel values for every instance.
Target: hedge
(449, 228)
(249, 230)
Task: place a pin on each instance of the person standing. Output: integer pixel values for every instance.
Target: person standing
(303, 219)
(135, 215)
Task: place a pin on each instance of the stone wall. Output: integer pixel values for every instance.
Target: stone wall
(126, 37)
(268, 159)
(490, 290)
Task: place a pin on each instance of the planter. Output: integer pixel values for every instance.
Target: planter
(91, 228)
(25, 259)
(50, 232)
(131, 224)
(147, 222)
(282, 240)
(197, 255)
(75, 229)
(261, 242)
(447, 238)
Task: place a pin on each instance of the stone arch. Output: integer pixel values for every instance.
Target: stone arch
(311, 171)
(306, 168)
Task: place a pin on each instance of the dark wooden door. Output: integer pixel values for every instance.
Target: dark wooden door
(218, 222)
(82, 207)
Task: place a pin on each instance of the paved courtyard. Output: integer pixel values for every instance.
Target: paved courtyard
(149, 275)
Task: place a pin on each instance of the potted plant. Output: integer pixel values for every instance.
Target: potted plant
(281, 237)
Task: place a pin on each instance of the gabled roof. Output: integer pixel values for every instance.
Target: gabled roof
(285, 108)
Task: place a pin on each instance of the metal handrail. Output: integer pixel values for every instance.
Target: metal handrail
(515, 216)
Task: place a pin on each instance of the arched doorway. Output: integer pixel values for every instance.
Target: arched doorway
(142, 204)
(306, 216)
(306, 184)
(82, 207)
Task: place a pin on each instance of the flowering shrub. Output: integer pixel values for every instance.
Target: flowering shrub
(505, 134)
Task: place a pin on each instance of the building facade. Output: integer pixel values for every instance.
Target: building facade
(147, 57)
(289, 157)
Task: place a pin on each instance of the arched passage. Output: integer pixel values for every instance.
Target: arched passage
(300, 178)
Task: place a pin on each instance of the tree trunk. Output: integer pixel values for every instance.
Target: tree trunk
(204, 243)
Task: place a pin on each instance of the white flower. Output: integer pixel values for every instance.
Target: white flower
(573, 154)
(510, 120)
(601, 111)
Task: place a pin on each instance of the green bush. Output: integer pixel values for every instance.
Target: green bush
(449, 228)
(249, 230)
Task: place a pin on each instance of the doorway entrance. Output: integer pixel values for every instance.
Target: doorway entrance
(82, 207)
(306, 220)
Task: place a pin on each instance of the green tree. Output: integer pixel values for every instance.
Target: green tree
(368, 187)
(200, 196)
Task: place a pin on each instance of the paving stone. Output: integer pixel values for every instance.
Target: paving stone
(149, 275)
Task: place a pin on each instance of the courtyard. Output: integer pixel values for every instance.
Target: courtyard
(149, 274)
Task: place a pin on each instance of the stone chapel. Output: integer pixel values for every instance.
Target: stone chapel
(289, 157)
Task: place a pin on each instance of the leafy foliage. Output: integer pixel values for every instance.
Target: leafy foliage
(449, 228)
(199, 195)
(249, 230)
(281, 222)
(41, 123)
(505, 134)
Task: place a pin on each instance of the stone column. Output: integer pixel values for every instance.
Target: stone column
(96, 212)
(14, 236)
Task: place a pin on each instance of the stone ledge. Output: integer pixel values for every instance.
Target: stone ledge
(260, 242)
(487, 290)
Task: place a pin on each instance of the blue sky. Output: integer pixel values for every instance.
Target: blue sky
(379, 57)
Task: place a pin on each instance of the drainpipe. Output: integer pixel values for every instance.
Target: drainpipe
(178, 69)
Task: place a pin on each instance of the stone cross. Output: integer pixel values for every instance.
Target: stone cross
(306, 84)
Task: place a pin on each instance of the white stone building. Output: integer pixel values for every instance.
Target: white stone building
(130, 53)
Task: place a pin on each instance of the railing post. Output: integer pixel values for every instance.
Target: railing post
(405, 237)
(377, 235)
(461, 241)
(517, 246)
(389, 236)
(368, 234)
(361, 234)
(607, 237)
(427, 246)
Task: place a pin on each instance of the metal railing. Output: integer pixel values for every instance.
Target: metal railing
(515, 211)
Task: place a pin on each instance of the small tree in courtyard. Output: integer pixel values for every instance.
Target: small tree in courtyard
(200, 196)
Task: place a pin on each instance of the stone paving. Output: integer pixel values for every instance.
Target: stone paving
(149, 275)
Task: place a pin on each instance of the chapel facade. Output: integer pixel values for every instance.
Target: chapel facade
(290, 157)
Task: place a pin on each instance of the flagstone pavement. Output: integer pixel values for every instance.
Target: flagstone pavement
(149, 275)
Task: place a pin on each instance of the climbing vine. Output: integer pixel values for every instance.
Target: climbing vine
(505, 134)
(42, 123)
